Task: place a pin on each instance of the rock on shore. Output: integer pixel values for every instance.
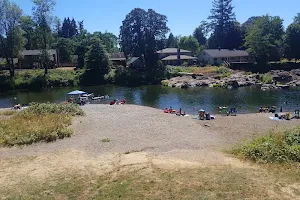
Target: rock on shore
(237, 79)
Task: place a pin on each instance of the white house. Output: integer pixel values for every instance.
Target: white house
(219, 56)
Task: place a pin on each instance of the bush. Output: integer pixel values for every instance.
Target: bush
(266, 78)
(7, 112)
(164, 83)
(52, 108)
(39, 122)
(30, 128)
(277, 147)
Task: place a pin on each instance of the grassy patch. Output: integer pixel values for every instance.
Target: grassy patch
(276, 147)
(266, 78)
(48, 108)
(164, 83)
(222, 71)
(40, 122)
(204, 183)
(105, 140)
(7, 112)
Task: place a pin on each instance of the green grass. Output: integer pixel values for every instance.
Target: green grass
(276, 147)
(164, 83)
(222, 71)
(266, 78)
(53, 108)
(202, 183)
(40, 122)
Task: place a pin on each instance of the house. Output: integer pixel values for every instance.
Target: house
(31, 58)
(118, 59)
(134, 62)
(174, 56)
(219, 56)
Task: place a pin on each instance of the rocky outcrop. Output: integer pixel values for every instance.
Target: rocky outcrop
(238, 79)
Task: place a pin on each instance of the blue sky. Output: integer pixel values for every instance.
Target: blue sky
(183, 16)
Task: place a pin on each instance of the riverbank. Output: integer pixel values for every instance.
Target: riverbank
(136, 152)
(275, 79)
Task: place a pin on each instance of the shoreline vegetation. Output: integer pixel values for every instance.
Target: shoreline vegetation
(38, 122)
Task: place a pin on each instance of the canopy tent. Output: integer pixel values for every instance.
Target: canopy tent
(77, 92)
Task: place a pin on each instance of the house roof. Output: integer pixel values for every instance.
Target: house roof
(132, 60)
(117, 56)
(172, 50)
(36, 52)
(216, 53)
(182, 57)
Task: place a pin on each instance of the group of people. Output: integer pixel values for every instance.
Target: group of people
(80, 100)
(172, 111)
(117, 102)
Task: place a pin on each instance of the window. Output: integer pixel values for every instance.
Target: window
(215, 59)
(223, 59)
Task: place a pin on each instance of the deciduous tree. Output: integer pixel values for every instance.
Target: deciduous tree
(264, 37)
(189, 43)
(292, 41)
(11, 39)
(42, 12)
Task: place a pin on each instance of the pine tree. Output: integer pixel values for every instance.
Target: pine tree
(73, 29)
(221, 20)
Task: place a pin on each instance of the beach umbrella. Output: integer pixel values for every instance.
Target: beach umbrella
(77, 92)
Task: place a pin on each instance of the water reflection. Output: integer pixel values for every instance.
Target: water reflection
(191, 100)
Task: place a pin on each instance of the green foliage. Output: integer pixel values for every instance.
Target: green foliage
(141, 33)
(264, 37)
(35, 79)
(172, 41)
(11, 39)
(200, 33)
(277, 147)
(65, 48)
(52, 108)
(164, 83)
(226, 32)
(266, 78)
(105, 140)
(217, 85)
(39, 122)
(189, 43)
(25, 128)
(292, 41)
(97, 58)
(68, 29)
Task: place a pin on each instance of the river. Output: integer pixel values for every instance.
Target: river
(245, 99)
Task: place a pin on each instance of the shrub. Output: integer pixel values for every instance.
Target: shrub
(276, 147)
(30, 128)
(7, 112)
(164, 83)
(266, 78)
(52, 108)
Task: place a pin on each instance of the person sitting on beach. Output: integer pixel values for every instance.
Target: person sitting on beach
(71, 99)
(171, 110)
(260, 110)
(179, 113)
(113, 102)
(123, 101)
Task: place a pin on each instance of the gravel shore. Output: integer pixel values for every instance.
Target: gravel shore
(132, 128)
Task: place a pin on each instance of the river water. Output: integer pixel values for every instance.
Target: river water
(245, 100)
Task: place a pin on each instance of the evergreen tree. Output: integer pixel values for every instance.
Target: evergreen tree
(73, 29)
(172, 41)
(221, 22)
(97, 58)
(199, 35)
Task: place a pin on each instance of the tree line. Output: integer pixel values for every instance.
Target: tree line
(142, 33)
